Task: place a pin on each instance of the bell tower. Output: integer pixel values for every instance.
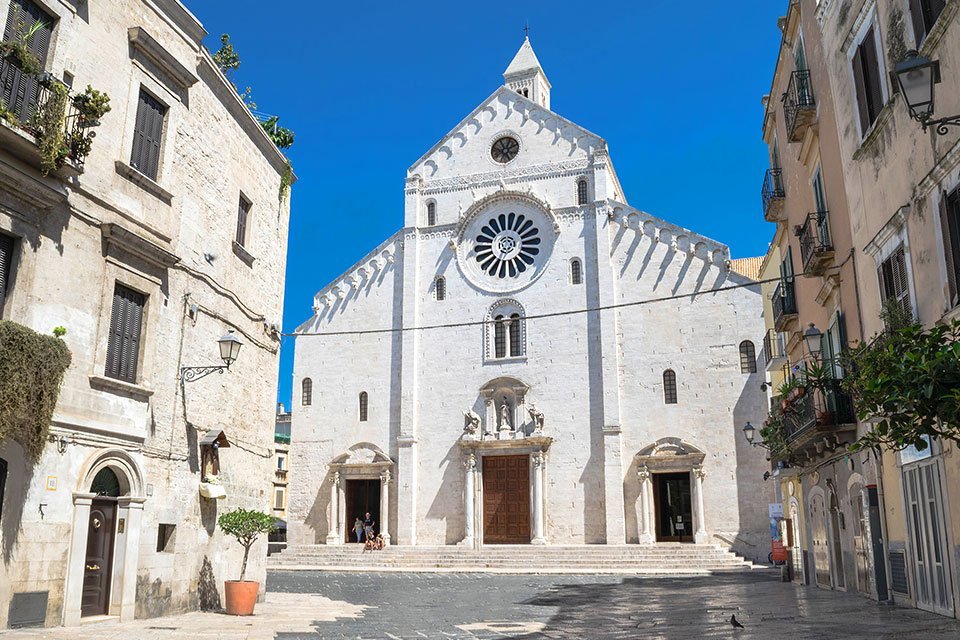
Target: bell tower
(526, 76)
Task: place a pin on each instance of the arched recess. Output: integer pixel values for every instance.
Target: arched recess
(116, 578)
(360, 478)
(679, 463)
(504, 401)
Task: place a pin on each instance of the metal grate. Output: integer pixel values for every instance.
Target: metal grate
(28, 608)
(898, 573)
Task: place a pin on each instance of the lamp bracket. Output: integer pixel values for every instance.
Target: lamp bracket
(941, 124)
(189, 374)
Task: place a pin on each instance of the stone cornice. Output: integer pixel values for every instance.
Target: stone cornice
(142, 42)
(511, 175)
(115, 235)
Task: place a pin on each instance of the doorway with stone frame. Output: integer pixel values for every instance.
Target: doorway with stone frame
(360, 480)
(671, 476)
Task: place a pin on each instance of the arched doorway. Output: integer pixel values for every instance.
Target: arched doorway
(818, 535)
(104, 548)
(671, 492)
(360, 481)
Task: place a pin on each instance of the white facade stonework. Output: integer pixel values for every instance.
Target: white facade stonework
(77, 235)
(578, 392)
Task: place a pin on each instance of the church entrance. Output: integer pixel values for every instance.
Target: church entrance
(362, 496)
(673, 506)
(506, 499)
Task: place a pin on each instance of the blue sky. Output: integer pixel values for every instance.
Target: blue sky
(368, 87)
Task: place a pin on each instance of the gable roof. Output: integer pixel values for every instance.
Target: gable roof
(541, 114)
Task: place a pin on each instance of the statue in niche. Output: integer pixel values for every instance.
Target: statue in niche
(505, 414)
(471, 423)
(537, 416)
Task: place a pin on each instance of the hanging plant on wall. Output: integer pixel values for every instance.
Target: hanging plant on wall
(32, 366)
(51, 128)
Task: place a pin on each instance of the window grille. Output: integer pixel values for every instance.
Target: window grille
(581, 192)
(306, 392)
(669, 387)
(363, 406)
(576, 272)
(748, 357)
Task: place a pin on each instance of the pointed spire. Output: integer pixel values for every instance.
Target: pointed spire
(525, 60)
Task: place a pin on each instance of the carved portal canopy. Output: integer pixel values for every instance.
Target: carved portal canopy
(362, 459)
(670, 454)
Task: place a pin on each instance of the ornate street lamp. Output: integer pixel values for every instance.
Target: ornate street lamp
(812, 336)
(750, 433)
(229, 350)
(916, 76)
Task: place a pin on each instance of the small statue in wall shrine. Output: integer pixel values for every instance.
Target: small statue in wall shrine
(537, 416)
(471, 423)
(505, 422)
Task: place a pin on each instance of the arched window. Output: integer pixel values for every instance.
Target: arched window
(440, 287)
(500, 337)
(306, 392)
(581, 191)
(748, 357)
(431, 214)
(505, 331)
(363, 406)
(576, 272)
(669, 387)
(515, 335)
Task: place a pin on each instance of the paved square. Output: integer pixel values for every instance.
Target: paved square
(480, 606)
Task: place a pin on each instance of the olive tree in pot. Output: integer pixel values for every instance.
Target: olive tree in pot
(246, 527)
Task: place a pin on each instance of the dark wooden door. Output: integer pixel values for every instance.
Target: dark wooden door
(673, 506)
(97, 565)
(362, 496)
(506, 499)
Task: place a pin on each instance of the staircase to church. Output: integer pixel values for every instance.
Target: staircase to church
(661, 559)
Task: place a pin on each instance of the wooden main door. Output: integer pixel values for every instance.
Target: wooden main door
(671, 492)
(506, 499)
(99, 558)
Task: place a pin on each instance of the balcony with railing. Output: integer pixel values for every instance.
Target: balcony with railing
(784, 301)
(773, 195)
(280, 475)
(816, 246)
(825, 410)
(799, 105)
(41, 122)
(774, 350)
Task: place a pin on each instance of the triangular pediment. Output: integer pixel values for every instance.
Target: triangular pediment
(545, 137)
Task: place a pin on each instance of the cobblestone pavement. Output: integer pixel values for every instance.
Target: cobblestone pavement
(454, 606)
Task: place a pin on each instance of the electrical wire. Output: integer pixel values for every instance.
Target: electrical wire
(553, 314)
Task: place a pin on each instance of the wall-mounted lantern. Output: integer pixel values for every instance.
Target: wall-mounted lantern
(915, 77)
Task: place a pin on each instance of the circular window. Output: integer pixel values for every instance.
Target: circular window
(507, 244)
(505, 149)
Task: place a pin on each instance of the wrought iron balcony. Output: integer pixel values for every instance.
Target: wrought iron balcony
(281, 475)
(773, 195)
(23, 101)
(799, 105)
(819, 410)
(784, 305)
(774, 350)
(816, 246)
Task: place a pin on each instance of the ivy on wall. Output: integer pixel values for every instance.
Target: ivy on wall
(32, 366)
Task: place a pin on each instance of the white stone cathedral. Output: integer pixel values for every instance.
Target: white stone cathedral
(505, 369)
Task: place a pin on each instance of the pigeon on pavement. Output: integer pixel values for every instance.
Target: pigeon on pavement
(734, 622)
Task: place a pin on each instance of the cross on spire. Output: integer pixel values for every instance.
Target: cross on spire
(526, 30)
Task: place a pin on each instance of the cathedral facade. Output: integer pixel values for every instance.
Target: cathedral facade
(530, 360)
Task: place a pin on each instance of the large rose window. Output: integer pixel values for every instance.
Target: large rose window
(504, 244)
(507, 245)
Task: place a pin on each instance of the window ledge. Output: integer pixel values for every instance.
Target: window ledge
(508, 360)
(120, 387)
(868, 146)
(144, 182)
(242, 253)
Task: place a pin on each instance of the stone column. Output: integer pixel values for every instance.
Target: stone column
(333, 531)
(469, 500)
(406, 490)
(128, 586)
(645, 528)
(539, 462)
(73, 590)
(700, 537)
(385, 479)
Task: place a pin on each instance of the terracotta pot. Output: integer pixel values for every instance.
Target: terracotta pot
(240, 596)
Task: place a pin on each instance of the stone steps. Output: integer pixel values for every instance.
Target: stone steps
(672, 559)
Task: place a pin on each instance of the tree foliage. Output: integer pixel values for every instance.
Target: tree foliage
(907, 382)
(226, 58)
(246, 526)
(31, 372)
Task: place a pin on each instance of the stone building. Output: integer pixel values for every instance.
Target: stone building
(168, 236)
(469, 382)
(281, 457)
(900, 186)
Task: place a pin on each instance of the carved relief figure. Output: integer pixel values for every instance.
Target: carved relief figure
(537, 416)
(471, 423)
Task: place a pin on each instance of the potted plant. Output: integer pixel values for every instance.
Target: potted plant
(91, 105)
(246, 526)
(17, 49)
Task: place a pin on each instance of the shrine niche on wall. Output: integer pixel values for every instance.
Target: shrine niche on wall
(210, 445)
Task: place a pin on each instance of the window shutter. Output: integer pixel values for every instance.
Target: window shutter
(871, 69)
(6, 267)
(858, 81)
(242, 217)
(916, 17)
(950, 226)
(123, 342)
(148, 131)
(19, 91)
(901, 286)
